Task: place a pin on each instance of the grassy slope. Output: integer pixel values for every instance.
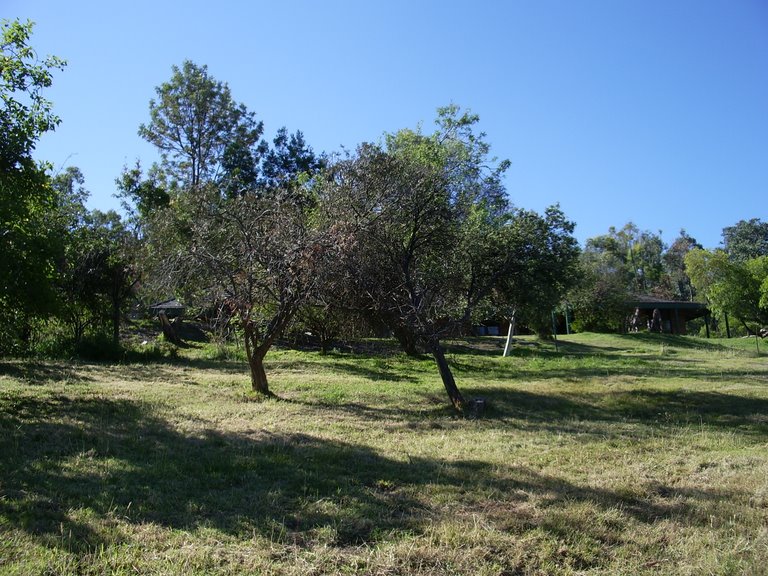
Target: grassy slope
(614, 455)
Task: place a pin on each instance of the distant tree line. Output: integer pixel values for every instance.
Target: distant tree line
(413, 236)
(626, 263)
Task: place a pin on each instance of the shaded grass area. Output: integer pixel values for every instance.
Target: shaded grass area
(110, 456)
(610, 455)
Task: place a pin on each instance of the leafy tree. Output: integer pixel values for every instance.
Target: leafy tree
(113, 269)
(599, 299)
(25, 113)
(99, 276)
(430, 248)
(736, 288)
(70, 195)
(29, 245)
(290, 156)
(240, 167)
(636, 255)
(215, 215)
(674, 264)
(198, 127)
(402, 274)
(284, 165)
(746, 239)
(141, 196)
(543, 266)
(96, 274)
(621, 265)
(257, 256)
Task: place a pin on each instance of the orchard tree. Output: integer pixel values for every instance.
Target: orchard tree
(222, 224)
(405, 271)
(431, 212)
(258, 257)
(29, 243)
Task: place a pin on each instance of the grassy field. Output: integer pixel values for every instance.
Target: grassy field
(631, 454)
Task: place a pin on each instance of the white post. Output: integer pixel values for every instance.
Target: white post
(510, 333)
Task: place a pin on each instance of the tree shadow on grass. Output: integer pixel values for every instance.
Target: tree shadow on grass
(676, 341)
(84, 467)
(524, 348)
(378, 369)
(634, 343)
(33, 372)
(660, 409)
(576, 368)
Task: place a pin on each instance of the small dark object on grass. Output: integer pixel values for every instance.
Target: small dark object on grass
(477, 407)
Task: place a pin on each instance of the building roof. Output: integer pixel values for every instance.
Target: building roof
(170, 304)
(649, 302)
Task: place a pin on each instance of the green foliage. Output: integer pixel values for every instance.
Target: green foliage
(30, 244)
(433, 235)
(95, 274)
(543, 256)
(194, 121)
(746, 239)
(427, 210)
(622, 265)
(141, 196)
(635, 256)
(674, 264)
(599, 300)
(736, 288)
(53, 338)
(288, 161)
(25, 114)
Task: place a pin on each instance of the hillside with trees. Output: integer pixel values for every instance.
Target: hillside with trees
(238, 371)
(413, 236)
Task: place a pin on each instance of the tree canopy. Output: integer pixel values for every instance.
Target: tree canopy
(193, 121)
(29, 243)
(435, 233)
(746, 239)
(738, 288)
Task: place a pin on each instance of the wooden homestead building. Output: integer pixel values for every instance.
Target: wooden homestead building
(671, 315)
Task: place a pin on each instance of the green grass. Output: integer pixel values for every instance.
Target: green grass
(637, 454)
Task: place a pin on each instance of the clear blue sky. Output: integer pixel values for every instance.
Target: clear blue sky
(653, 111)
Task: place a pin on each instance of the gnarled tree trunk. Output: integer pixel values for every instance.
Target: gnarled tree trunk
(168, 331)
(258, 374)
(447, 376)
(255, 354)
(408, 342)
